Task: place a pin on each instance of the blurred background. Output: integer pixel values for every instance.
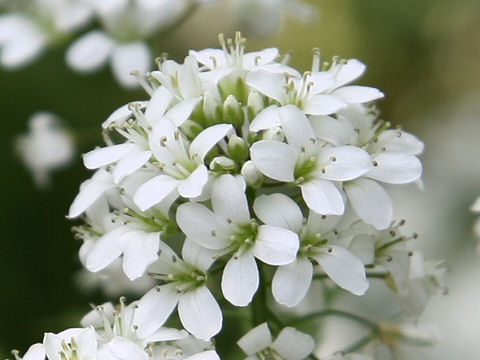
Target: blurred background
(424, 55)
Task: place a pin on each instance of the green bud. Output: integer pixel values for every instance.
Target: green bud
(238, 148)
(223, 164)
(251, 174)
(255, 104)
(234, 84)
(191, 128)
(233, 112)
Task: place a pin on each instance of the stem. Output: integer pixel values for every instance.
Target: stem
(340, 313)
(259, 303)
(372, 275)
(360, 342)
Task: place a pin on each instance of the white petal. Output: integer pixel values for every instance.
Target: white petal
(107, 248)
(129, 164)
(344, 268)
(121, 348)
(199, 313)
(90, 52)
(323, 105)
(355, 94)
(323, 197)
(344, 163)
(158, 105)
(197, 255)
(130, 57)
(35, 352)
(266, 119)
(204, 355)
(107, 155)
(167, 334)
(259, 58)
(154, 191)
(256, 340)
(87, 343)
(396, 168)
(269, 84)
(193, 185)
(279, 210)
(297, 127)
(275, 245)
(345, 73)
(330, 129)
(292, 344)
(398, 141)
(291, 282)
(160, 301)
(229, 200)
(90, 191)
(140, 251)
(122, 114)
(371, 202)
(363, 247)
(207, 139)
(182, 111)
(203, 226)
(274, 159)
(240, 279)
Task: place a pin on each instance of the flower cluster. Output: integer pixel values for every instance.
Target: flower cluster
(239, 174)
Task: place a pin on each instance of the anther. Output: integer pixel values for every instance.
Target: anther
(333, 158)
(330, 250)
(174, 259)
(375, 163)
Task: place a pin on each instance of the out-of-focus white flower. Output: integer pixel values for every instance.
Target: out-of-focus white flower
(122, 42)
(262, 18)
(26, 32)
(351, 356)
(476, 227)
(48, 146)
(290, 344)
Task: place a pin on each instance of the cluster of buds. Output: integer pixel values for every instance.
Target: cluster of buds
(239, 182)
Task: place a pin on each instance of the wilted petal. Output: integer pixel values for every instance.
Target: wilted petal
(371, 202)
(291, 282)
(90, 52)
(240, 279)
(199, 313)
(275, 245)
(344, 268)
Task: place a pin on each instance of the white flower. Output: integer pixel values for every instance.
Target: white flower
(316, 92)
(309, 162)
(47, 147)
(228, 229)
(186, 286)
(181, 163)
(317, 242)
(393, 155)
(25, 34)
(290, 344)
(127, 25)
(262, 18)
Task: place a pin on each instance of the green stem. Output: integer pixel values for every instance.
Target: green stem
(371, 275)
(259, 303)
(339, 313)
(360, 342)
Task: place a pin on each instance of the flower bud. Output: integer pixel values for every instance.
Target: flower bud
(232, 112)
(222, 164)
(255, 104)
(212, 110)
(237, 148)
(251, 174)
